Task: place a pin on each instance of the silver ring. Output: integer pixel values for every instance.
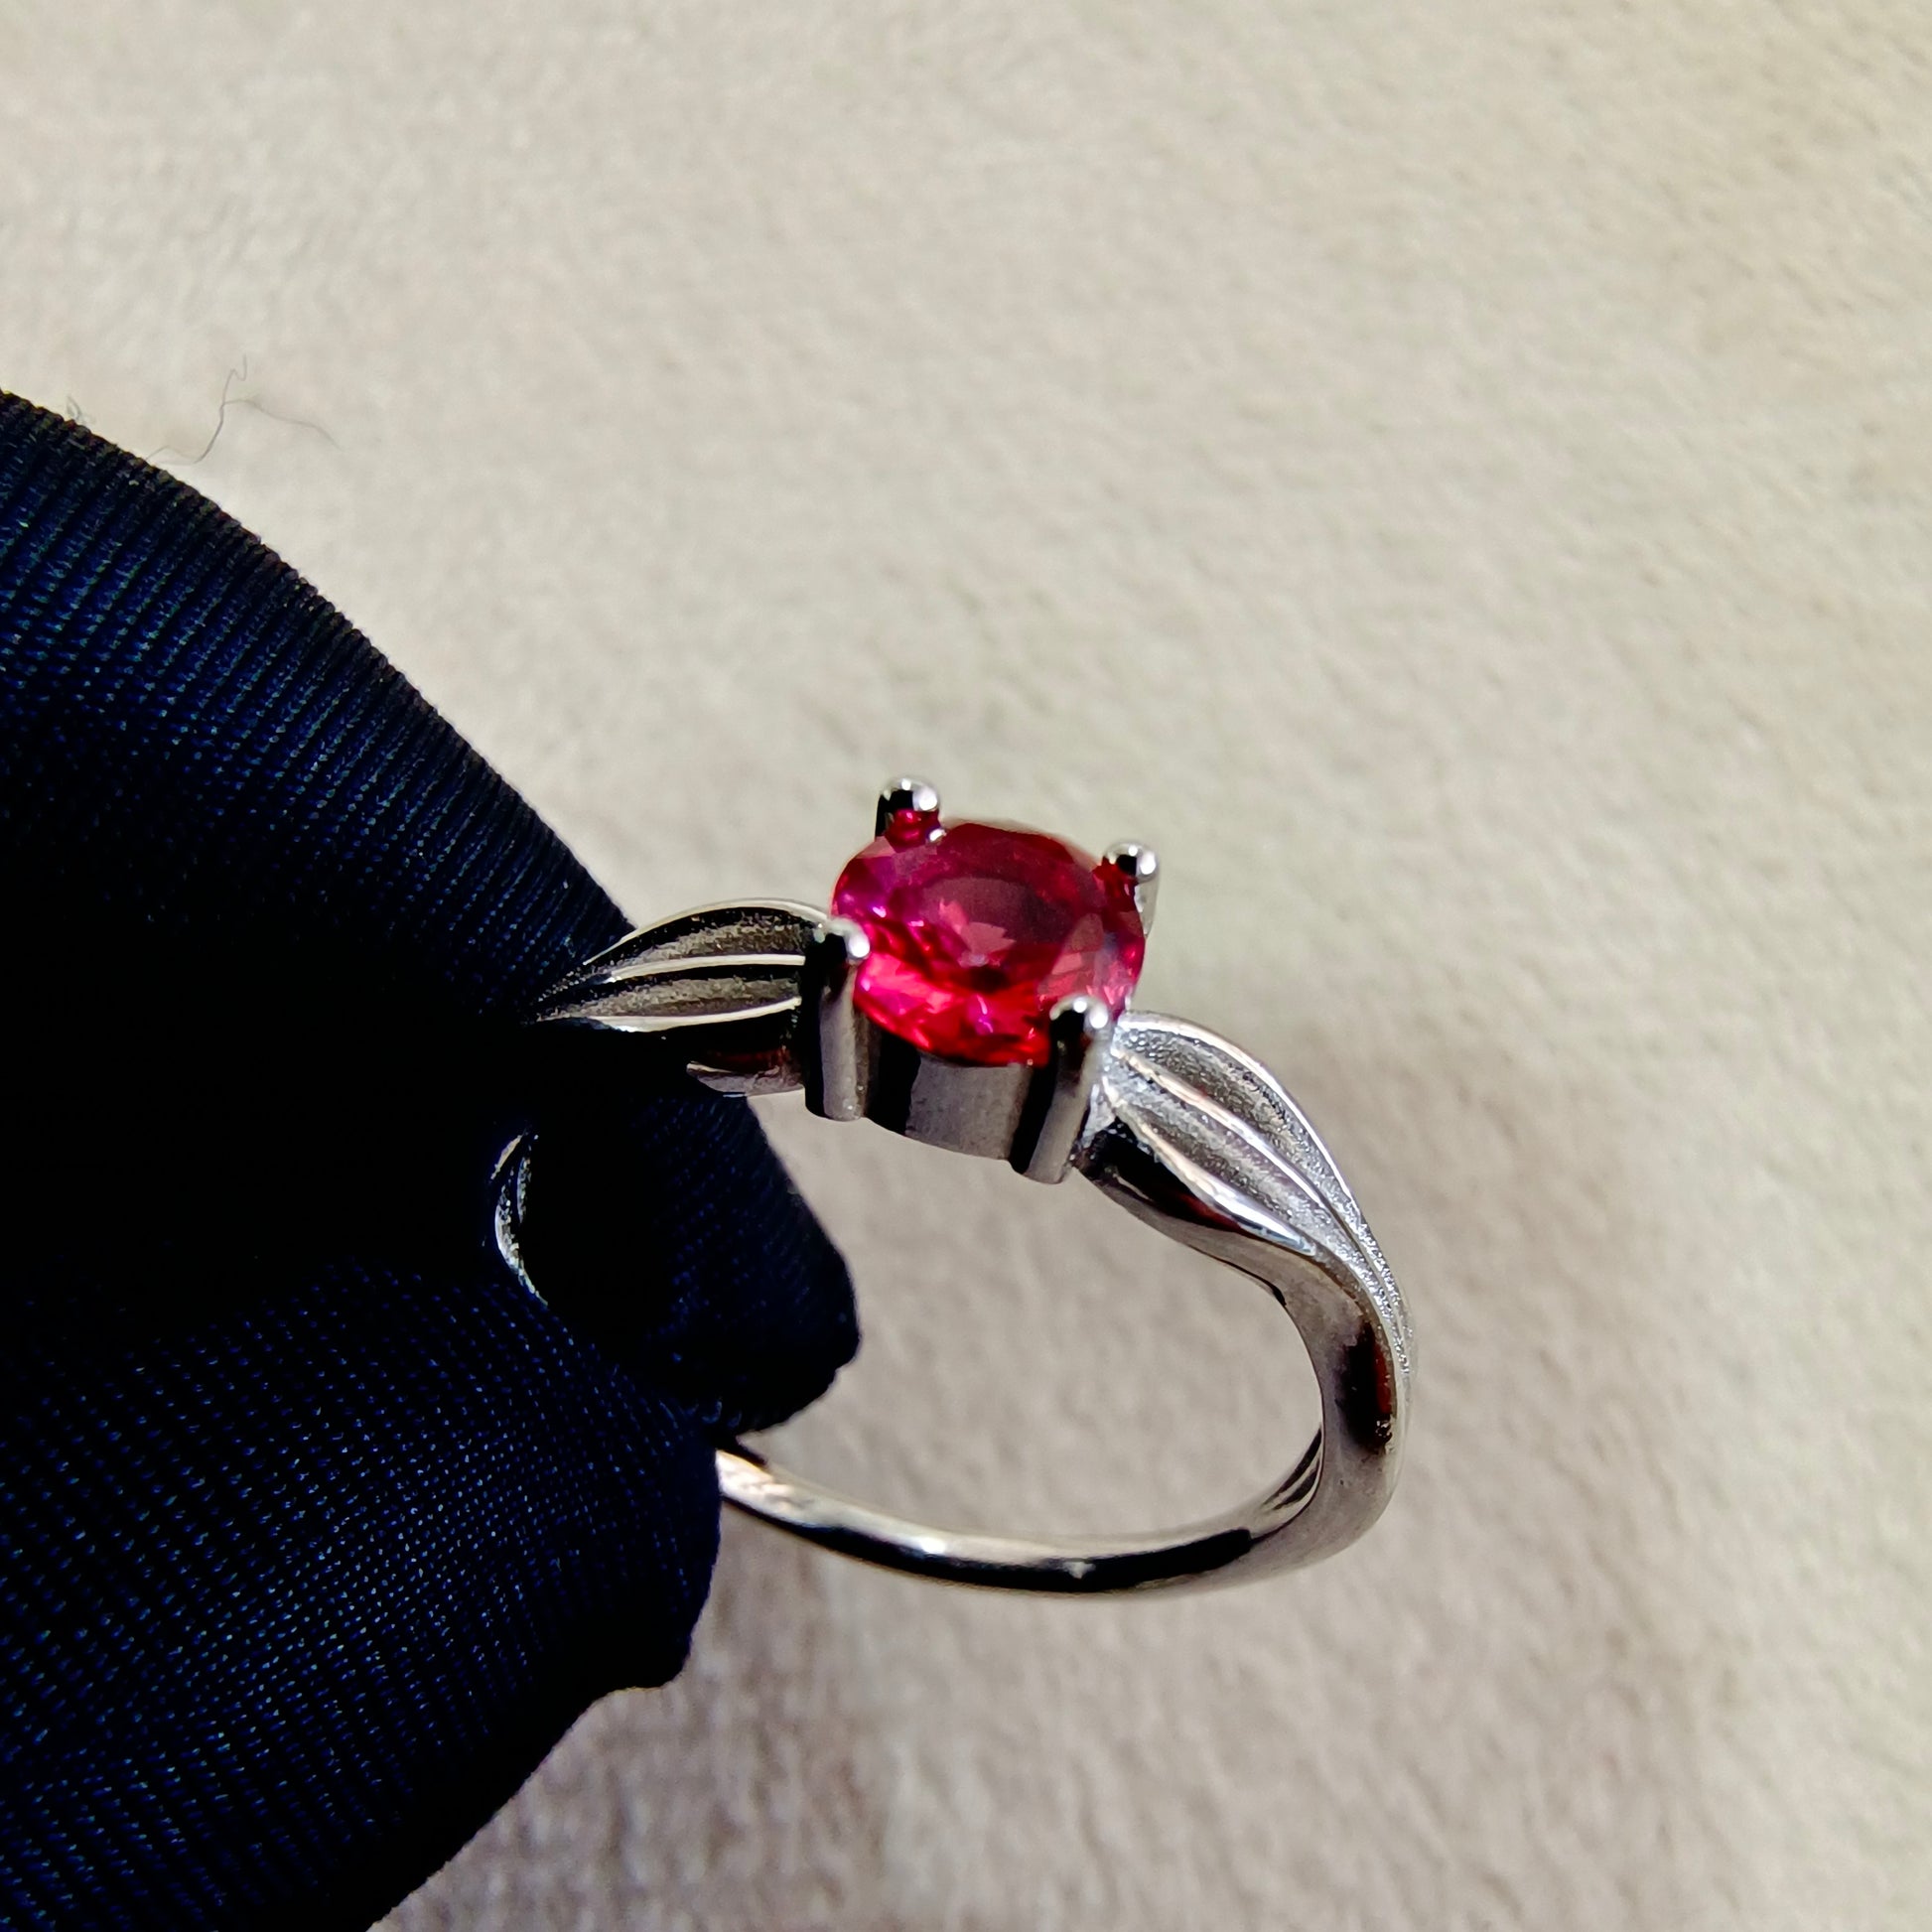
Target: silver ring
(1187, 1133)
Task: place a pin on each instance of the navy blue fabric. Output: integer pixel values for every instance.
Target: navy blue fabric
(314, 1532)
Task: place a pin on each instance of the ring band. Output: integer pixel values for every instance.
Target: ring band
(1187, 1132)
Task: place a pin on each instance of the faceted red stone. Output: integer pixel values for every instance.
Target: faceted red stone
(978, 931)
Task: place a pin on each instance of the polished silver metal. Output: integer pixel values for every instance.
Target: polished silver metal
(835, 1036)
(911, 795)
(1138, 866)
(714, 993)
(1184, 1131)
(1078, 1031)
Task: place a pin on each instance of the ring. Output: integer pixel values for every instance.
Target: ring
(971, 988)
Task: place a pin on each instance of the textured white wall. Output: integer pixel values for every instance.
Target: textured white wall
(1458, 479)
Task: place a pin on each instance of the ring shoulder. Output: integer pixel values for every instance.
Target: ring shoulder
(1197, 1136)
(715, 992)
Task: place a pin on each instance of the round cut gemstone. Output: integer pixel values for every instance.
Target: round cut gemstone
(978, 931)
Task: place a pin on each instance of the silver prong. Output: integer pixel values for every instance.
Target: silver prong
(1141, 870)
(910, 803)
(831, 1028)
(1055, 1109)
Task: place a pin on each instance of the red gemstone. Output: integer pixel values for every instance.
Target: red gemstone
(978, 931)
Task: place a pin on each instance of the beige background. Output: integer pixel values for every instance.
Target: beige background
(1457, 479)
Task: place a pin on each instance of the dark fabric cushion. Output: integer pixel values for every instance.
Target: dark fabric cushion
(315, 1531)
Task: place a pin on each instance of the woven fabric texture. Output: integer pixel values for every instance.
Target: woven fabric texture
(317, 1532)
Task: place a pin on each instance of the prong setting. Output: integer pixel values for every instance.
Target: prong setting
(832, 1031)
(969, 925)
(970, 940)
(1140, 870)
(908, 810)
(1080, 1030)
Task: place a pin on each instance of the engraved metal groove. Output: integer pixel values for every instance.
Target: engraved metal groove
(1199, 1139)
(715, 992)
(1221, 1108)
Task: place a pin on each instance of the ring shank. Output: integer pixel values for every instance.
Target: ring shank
(1066, 1567)
(1199, 1140)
